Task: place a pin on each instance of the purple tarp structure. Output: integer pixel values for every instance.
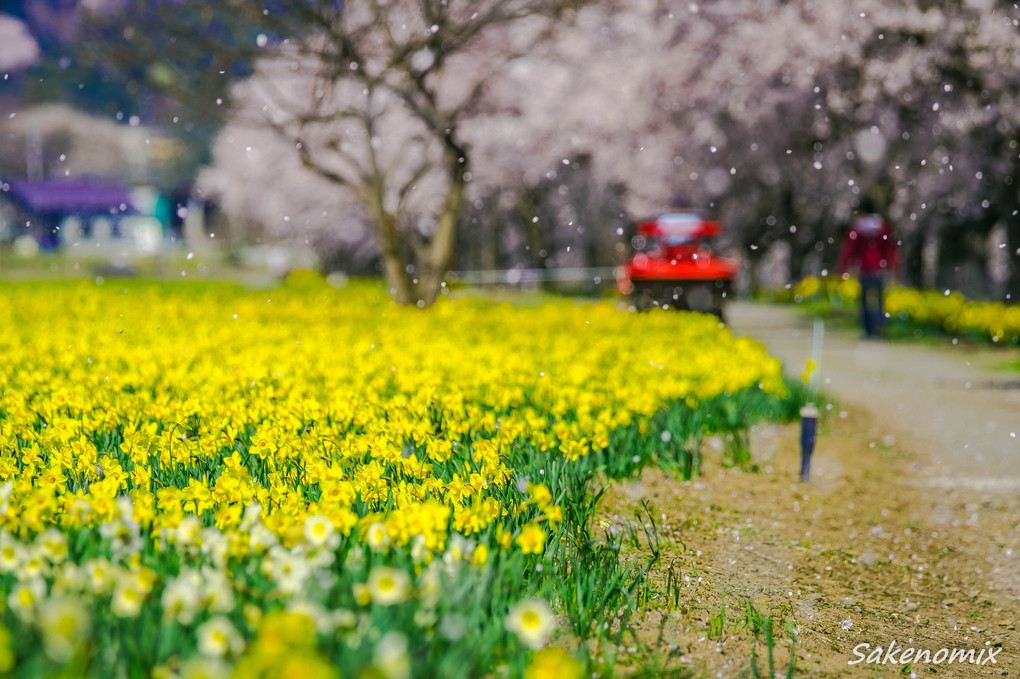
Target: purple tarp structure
(46, 202)
(71, 196)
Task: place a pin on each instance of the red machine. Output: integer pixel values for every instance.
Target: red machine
(673, 265)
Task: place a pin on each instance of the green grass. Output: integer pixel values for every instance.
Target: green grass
(763, 628)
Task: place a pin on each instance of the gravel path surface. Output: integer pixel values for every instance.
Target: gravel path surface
(957, 407)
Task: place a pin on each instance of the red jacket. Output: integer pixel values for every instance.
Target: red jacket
(869, 247)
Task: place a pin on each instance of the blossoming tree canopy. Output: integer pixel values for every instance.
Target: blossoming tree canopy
(370, 98)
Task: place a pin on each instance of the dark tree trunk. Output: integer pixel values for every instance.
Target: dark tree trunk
(394, 261)
(912, 257)
(1013, 244)
(1011, 211)
(536, 230)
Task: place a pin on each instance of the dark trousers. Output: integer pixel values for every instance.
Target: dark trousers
(872, 309)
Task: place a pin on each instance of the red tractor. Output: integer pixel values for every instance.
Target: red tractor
(673, 266)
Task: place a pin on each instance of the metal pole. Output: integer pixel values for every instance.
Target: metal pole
(817, 337)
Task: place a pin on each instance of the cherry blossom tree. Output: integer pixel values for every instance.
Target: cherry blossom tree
(371, 97)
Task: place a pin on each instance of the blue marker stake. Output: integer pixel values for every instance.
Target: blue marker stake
(808, 426)
(809, 413)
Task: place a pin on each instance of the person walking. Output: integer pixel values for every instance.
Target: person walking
(871, 250)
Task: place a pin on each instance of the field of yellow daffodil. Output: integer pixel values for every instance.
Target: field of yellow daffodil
(948, 312)
(207, 481)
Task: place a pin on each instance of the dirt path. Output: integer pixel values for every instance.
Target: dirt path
(955, 406)
(909, 531)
